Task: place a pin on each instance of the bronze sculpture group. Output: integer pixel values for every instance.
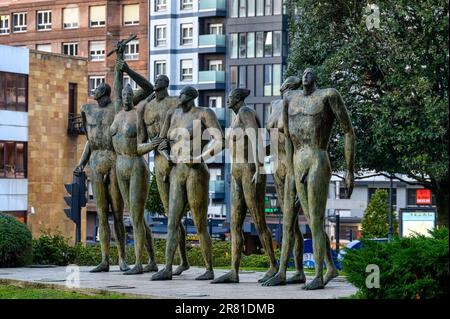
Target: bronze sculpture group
(119, 133)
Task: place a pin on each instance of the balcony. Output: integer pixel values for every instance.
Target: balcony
(212, 8)
(220, 113)
(211, 80)
(211, 43)
(217, 189)
(75, 125)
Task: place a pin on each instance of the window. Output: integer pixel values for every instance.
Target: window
(215, 102)
(215, 65)
(186, 5)
(13, 159)
(70, 48)
(216, 28)
(250, 45)
(132, 50)
(127, 80)
(373, 190)
(259, 8)
(94, 82)
(242, 45)
(4, 24)
(251, 8)
(46, 47)
(267, 80)
(70, 18)
(186, 34)
(20, 22)
(160, 68)
(234, 46)
(186, 70)
(97, 16)
(412, 199)
(268, 44)
(277, 40)
(234, 77)
(276, 79)
(243, 9)
(259, 44)
(277, 6)
(268, 8)
(242, 76)
(161, 34)
(73, 90)
(160, 5)
(131, 14)
(234, 8)
(13, 92)
(97, 50)
(44, 20)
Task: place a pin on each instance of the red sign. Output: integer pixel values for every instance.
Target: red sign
(423, 197)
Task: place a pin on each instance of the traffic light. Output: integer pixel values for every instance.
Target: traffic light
(76, 199)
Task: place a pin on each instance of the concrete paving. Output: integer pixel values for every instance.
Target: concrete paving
(181, 287)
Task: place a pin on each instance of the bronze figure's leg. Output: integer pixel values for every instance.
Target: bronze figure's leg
(152, 266)
(238, 212)
(101, 200)
(182, 250)
(332, 272)
(197, 187)
(299, 276)
(117, 208)
(177, 204)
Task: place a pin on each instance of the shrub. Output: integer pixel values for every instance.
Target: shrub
(412, 267)
(52, 249)
(375, 223)
(15, 242)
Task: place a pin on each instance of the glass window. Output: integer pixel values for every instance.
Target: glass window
(234, 77)
(242, 76)
(250, 45)
(277, 6)
(187, 34)
(251, 8)
(44, 20)
(259, 44)
(234, 8)
(373, 190)
(243, 8)
(277, 37)
(259, 8)
(186, 5)
(97, 16)
(13, 91)
(94, 82)
(160, 68)
(186, 70)
(127, 80)
(97, 50)
(161, 34)
(131, 14)
(216, 28)
(267, 80)
(268, 44)
(132, 50)
(268, 8)
(234, 46)
(70, 18)
(4, 24)
(20, 22)
(70, 48)
(242, 45)
(276, 79)
(215, 102)
(13, 159)
(215, 65)
(160, 5)
(46, 47)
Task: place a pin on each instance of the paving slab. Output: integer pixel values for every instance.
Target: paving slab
(181, 287)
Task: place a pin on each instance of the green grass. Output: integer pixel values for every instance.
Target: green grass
(16, 292)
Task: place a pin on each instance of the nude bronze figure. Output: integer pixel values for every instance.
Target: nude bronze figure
(248, 183)
(308, 118)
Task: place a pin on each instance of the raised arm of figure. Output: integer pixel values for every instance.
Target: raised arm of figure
(146, 88)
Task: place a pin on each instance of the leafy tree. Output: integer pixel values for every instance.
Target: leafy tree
(375, 223)
(154, 204)
(393, 78)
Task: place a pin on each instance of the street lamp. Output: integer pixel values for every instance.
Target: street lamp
(337, 219)
(391, 226)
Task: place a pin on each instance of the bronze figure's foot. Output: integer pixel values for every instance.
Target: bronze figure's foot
(151, 267)
(277, 280)
(330, 275)
(163, 274)
(316, 283)
(298, 278)
(229, 278)
(123, 265)
(180, 269)
(136, 270)
(103, 267)
(272, 272)
(208, 275)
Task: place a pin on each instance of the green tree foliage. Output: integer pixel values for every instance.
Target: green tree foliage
(375, 223)
(154, 204)
(15, 242)
(409, 268)
(393, 78)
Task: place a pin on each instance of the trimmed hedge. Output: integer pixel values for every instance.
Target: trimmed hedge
(410, 268)
(15, 242)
